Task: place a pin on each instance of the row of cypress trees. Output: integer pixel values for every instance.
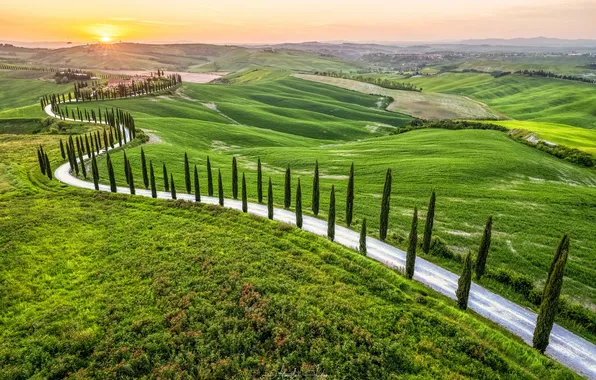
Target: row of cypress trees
(44, 163)
(122, 90)
(555, 275)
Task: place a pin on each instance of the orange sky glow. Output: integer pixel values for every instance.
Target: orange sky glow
(267, 21)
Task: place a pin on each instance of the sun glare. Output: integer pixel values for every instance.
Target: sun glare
(105, 38)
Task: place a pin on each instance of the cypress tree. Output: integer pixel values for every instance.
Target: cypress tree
(563, 245)
(152, 177)
(88, 147)
(331, 216)
(550, 298)
(209, 178)
(270, 200)
(259, 181)
(95, 172)
(126, 168)
(384, 225)
(131, 182)
(413, 239)
(111, 175)
(298, 205)
(315, 190)
(244, 200)
(48, 166)
(62, 149)
(42, 164)
(464, 283)
(144, 169)
(483, 250)
(350, 197)
(82, 164)
(187, 180)
(74, 158)
(362, 249)
(197, 187)
(234, 178)
(220, 192)
(166, 185)
(428, 228)
(288, 188)
(173, 186)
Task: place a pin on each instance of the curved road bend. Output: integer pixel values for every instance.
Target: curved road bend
(565, 347)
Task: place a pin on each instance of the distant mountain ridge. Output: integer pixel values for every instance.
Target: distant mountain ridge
(535, 41)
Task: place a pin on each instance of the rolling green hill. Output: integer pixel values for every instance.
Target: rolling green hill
(100, 285)
(183, 57)
(521, 97)
(476, 173)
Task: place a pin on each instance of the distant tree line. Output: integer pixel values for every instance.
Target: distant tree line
(549, 74)
(381, 82)
(68, 75)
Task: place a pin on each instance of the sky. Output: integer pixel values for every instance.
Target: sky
(270, 21)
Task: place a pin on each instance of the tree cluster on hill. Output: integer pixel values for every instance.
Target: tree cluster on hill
(68, 75)
(381, 82)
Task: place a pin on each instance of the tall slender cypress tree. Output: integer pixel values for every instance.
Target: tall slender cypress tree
(259, 181)
(144, 169)
(234, 178)
(384, 223)
(220, 191)
(298, 205)
(244, 196)
(48, 166)
(88, 147)
(288, 188)
(131, 182)
(331, 216)
(197, 187)
(413, 239)
(187, 180)
(172, 186)
(62, 149)
(126, 168)
(270, 200)
(350, 197)
(209, 178)
(95, 172)
(82, 164)
(362, 248)
(42, 164)
(152, 178)
(166, 185)
(430, 219)
(550, 297)
(316, 193)
(111, 175)
(484, 248)
(464, 283)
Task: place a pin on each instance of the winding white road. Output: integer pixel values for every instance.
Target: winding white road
(565, 347)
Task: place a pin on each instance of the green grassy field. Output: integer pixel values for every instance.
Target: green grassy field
(521, 97)
(104, 286)
(574, 137)
(17, 92)
(557, 64)
(476, 174)
(416, 104)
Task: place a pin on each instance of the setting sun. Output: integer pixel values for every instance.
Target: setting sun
(106, 39)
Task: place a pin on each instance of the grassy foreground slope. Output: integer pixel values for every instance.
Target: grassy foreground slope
(104, 286)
